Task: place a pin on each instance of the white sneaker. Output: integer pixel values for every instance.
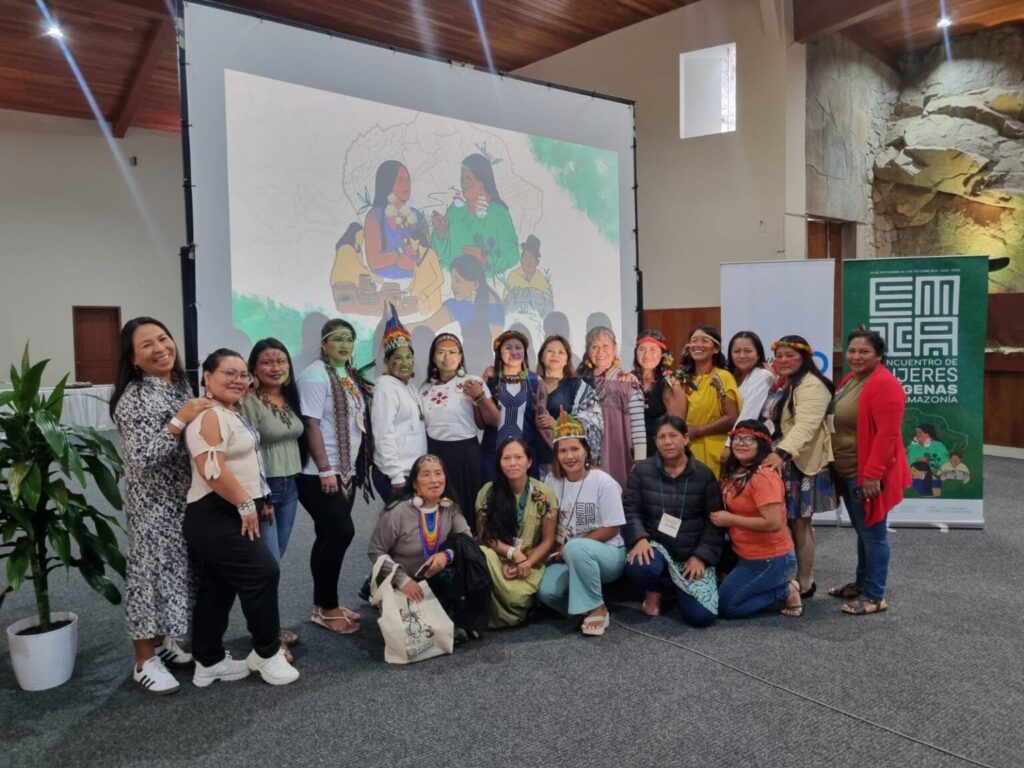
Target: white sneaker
(225, 669)
(172, 655)
(154, 677)
(276, 670)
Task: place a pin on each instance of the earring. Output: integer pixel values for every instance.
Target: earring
(417, 501)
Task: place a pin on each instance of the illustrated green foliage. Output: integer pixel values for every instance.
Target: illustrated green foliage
(589, 175)
(45, 523)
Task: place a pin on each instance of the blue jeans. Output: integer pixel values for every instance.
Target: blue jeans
(574, 586)
(648, 578)
(872, 545)
(754, 585)
(285, 499)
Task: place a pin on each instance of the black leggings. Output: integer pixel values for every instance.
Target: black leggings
(332, 522)
(227, 565)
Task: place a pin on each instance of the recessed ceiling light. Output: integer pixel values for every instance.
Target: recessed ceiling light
(55, 32)
(944, 22)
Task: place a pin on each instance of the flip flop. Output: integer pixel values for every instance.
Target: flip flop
(793, 611)
(845, 592)
(324, 621)
(865, 607)
(594, 626)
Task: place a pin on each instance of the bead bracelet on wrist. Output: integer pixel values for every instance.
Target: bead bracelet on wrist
(247, 507)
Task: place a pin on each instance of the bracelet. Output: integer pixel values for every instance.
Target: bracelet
(326, 473)
(480, 399)
(449, 554)
(510, 554)
(323, 467)
(176, 422)
(247, 507)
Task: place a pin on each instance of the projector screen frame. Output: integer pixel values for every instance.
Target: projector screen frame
(190, 320)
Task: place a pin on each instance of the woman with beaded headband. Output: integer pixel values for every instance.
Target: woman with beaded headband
(589, 550)
(516, 530)
(713, 397)
(565, 390)
(672, 543)
(450, 399)
(795, 414)
(413, 532)
(399, 436)
(624, 440)
(654, 367)
(755, 515)
(272, 409)
(334, 399)
(518, 396)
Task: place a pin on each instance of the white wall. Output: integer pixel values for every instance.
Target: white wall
(701, 200)
(71, 232)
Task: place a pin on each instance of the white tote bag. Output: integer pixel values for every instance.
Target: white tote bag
(412, 631)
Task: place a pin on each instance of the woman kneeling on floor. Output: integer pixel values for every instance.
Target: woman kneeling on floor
(228, 486)
(416, 531)
(516, 529)
(668, 502)
(756, 518)
(590, 551)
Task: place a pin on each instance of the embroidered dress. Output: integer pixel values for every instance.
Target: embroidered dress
(451, 435)
(517, 400)
(511, 599)
(157, 476)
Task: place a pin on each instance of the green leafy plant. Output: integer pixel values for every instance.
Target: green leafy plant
(45, 521)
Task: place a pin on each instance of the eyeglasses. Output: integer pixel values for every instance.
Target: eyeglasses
(242, 376)
(744, 440)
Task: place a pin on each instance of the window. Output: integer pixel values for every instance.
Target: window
(707, 91)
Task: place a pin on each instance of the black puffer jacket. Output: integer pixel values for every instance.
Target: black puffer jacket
(692, 496)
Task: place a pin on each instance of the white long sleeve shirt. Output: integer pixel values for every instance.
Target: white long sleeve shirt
(399, 435)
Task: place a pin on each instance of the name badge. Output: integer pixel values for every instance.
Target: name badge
(669, 525)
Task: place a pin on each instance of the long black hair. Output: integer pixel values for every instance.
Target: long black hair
(433, 373)
(764, 447)
(755, 340)
(502, 505)
(556, 466)
(128, 372)
(483, 172)
(384, 184)
(718, 360)
(289, 389)
(661, 370)
(874, 338)
(807, 367)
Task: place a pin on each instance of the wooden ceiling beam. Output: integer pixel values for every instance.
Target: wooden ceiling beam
(816, 18)
(158, 40)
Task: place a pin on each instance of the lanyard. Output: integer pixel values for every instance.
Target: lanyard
(661, 491)
(572, 509)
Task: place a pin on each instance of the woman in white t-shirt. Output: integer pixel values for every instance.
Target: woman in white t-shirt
(450, 398)
(590, 550)
(223, 531)
(748, 365)
(334, 401)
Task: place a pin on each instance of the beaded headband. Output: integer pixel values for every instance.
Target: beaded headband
(395, 335)
(799, 346)
(567, 426)
(447, 337)
(507, 335)
(754, 432)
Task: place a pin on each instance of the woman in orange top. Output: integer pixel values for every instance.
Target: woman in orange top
(756, 518)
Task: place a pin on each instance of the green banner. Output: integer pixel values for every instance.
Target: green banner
(932, 313)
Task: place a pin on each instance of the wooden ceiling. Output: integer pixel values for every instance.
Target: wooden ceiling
(126, 52)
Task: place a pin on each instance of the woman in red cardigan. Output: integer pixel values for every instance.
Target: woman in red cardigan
(869, 459)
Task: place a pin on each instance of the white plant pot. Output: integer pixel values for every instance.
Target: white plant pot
(46, 660)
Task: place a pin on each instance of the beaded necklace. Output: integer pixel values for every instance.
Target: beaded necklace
(284, 414)
(430, 531)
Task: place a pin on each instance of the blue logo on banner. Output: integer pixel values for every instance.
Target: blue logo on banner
(822, 360)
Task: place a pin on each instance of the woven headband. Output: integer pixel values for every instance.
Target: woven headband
(797, 345)
(511, 335)
(650, 340)
(754, 432)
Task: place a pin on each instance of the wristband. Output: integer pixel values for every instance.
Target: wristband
(449, 554)
(323, 467)
(176, 422)
(511, 554)
(326, 474)
(480, 399)
(246, 508)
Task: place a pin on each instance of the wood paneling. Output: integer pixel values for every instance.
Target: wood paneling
(912, 27)
(1004, 382)
(676, 324)
(1006, 319)
(109, 40)
(96, 332)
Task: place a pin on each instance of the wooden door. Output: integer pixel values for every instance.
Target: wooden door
(825, 241)
(96, 331)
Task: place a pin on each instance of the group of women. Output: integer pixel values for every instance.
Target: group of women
(698, 483)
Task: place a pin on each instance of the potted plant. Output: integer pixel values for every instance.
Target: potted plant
(46, 522)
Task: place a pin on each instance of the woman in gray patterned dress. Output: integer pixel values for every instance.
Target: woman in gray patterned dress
(151, 406)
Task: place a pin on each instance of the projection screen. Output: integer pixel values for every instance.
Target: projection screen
(332, 177)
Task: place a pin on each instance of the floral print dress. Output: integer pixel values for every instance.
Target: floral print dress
(157, 478)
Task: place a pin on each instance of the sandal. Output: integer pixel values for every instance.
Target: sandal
(793, 611)
(288, 637)
(347, 627)
(865, 607)
(594, 626)
(845, 592)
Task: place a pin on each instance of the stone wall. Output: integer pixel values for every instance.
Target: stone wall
(950, 177)
(850, 98)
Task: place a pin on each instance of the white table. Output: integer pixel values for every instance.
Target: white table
(86, 406)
